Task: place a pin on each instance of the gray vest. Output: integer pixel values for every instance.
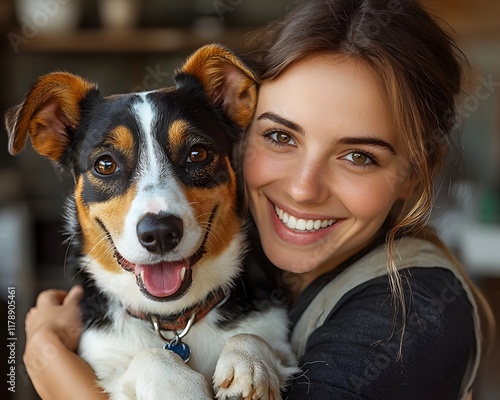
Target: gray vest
(410, 252)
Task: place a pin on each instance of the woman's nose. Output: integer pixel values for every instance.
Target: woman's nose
(307, 182)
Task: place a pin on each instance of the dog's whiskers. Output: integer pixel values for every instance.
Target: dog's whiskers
(217, 236)
(78, 272)
(69, 241)
(100, 239)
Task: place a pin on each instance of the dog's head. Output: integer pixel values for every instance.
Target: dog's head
(155, 189)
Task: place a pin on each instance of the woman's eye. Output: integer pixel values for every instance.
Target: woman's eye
(360, 158)
(105, 165)
(197, 154)
(281, 138)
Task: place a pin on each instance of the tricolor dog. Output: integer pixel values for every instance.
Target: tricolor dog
(158, 233)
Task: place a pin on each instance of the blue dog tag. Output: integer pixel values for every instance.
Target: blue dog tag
(179, 348)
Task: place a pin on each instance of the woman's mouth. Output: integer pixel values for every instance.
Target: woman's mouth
(300, 231)
(300, 224)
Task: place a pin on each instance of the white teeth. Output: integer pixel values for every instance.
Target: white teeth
(183, 273)
(142, 275)
(300, 224)
(280, 213)
(284, 217)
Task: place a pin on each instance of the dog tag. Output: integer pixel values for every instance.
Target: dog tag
(179, 348)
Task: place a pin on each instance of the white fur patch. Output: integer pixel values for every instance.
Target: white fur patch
(256, 350)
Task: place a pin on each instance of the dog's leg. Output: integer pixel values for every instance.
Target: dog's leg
(156, 374)
(249, 368)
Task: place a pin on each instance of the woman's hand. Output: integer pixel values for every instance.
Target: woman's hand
(57, 312)
(53, 329)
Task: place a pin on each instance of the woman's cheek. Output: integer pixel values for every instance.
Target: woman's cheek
(259, 167)
(370, 197)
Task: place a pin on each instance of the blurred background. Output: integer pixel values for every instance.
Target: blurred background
(132, 45)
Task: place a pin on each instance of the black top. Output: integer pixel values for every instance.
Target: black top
(355, 353)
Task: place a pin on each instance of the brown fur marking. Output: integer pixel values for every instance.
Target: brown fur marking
(48, 112)
(226, 79)
(112, 214)
(226, 223)
(121, 139)
(177, 134)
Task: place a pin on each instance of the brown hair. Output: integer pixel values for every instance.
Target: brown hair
(420, 67)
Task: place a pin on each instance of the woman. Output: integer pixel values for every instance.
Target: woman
(356, 105)
(354, 114)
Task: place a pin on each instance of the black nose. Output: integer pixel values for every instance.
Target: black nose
(159, 233)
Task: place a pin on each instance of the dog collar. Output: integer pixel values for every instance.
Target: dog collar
(186, 318)
(184, 321)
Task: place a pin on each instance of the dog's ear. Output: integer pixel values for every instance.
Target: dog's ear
(49, 114)
(226, 80)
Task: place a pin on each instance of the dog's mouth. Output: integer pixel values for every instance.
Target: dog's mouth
(165, 280)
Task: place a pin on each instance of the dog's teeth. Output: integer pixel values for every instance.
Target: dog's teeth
(183, 273)
(142, 275)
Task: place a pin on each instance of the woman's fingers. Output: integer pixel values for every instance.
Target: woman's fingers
(51, 297)
(74, 295)
(57, 297)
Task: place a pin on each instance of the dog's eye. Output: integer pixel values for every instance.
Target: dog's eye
(197, 154)
(105, 165)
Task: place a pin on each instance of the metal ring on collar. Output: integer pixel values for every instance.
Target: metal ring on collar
(156, 324)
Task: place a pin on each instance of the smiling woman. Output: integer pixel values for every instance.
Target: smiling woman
(354, 113)
(321, 145)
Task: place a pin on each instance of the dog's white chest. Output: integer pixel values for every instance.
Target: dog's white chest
(130, 351)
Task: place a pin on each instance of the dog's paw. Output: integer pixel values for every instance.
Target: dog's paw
(248, 368)
(161, 374)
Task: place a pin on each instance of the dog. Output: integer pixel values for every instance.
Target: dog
(156, 225)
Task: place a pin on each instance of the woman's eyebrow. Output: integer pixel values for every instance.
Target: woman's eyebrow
(282, 121)
(367, 140)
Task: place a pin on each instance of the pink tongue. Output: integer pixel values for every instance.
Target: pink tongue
(163, 279)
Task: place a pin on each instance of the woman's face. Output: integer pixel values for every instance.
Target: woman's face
(323, 165)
